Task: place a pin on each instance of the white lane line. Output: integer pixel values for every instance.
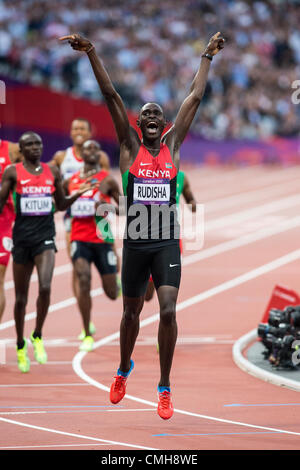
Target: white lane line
(53, 308)
(220, 222)
(22, 412)
(200, 255)
(44, 385)
(186, 260)
(250, 275)
(49, 446)
(80, 436)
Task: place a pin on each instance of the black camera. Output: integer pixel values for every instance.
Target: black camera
(278, 336)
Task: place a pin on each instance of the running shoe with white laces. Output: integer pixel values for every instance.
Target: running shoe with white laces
(118, 387)
(165, 406)
(39, 350)
(23, 359)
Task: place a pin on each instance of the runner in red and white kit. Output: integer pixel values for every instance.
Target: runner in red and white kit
(34, 184)
(91, 238)
(69, 161)
(9, 153)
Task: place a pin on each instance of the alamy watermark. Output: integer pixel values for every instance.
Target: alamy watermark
(153, 222)
(296, 94)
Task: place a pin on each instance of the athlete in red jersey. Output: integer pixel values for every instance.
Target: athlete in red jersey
(9, 153)
(152, 248)
(91, 237)
(34, 184)
(69, 161)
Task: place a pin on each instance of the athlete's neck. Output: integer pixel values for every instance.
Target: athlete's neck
(32, 166)
(89, 169)
(77, 150)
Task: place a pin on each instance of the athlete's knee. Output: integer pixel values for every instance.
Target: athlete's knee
(131, 312)
(44, 289)
(168, 314)
(84, 279)
(21, 301)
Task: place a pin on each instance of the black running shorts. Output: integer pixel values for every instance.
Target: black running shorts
(24, 254)
(161, 261)
(101, 254)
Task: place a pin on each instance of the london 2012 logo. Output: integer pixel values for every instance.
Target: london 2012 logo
(2, 92)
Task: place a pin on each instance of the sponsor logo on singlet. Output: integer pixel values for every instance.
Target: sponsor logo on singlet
(151, 191)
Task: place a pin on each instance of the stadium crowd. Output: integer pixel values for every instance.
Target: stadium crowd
(152, 50)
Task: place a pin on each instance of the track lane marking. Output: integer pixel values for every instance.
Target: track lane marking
(80, 436)
(250, 275)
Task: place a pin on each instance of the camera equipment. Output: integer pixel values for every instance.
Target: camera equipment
(278, 336)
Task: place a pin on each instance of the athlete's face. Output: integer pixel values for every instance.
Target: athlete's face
(91, 152)
(31, 146)
(80, 132)
(151, 121)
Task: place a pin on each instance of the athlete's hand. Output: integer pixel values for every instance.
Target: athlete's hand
(77, 42)
(87, 186)
(216, 43)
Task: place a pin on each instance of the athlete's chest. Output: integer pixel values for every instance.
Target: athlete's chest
(152, 178)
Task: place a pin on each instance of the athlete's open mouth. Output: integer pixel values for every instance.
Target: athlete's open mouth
(152, 126)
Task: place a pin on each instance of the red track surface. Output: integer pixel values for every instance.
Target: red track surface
(65, 403)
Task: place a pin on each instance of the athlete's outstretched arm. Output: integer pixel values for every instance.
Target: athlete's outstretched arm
(188, 194)
(190, 105)
(112, 97)
(8, 182)
(62, 201)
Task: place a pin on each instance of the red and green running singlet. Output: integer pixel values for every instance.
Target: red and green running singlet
(33, 199)
(87, 226)
(150, 188)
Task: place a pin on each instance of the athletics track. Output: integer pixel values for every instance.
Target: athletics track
(252, 233)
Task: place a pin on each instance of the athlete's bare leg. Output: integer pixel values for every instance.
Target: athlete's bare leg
(22, 274)
(129, 329)
(75, 282)
(2, 291)
(167, 331)
(82, 268)
(110, 286)
(45, 265)
(150, 291)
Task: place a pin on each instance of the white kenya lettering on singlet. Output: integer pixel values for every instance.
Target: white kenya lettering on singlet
(147, 173)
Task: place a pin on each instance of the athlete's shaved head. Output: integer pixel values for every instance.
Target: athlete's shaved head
(87, 143)
(150, 105)
(31, 145)
(30, 134)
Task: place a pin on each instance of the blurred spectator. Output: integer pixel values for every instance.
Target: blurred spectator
(152, 50)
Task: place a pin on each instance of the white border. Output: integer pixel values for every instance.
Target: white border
(250, 368)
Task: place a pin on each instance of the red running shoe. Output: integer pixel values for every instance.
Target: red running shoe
(117, 389)
(165, 407)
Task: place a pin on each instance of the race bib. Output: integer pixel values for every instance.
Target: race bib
(83, 207)
(151, 191)
(36, 205)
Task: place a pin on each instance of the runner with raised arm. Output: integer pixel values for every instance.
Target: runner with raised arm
(151, 242)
